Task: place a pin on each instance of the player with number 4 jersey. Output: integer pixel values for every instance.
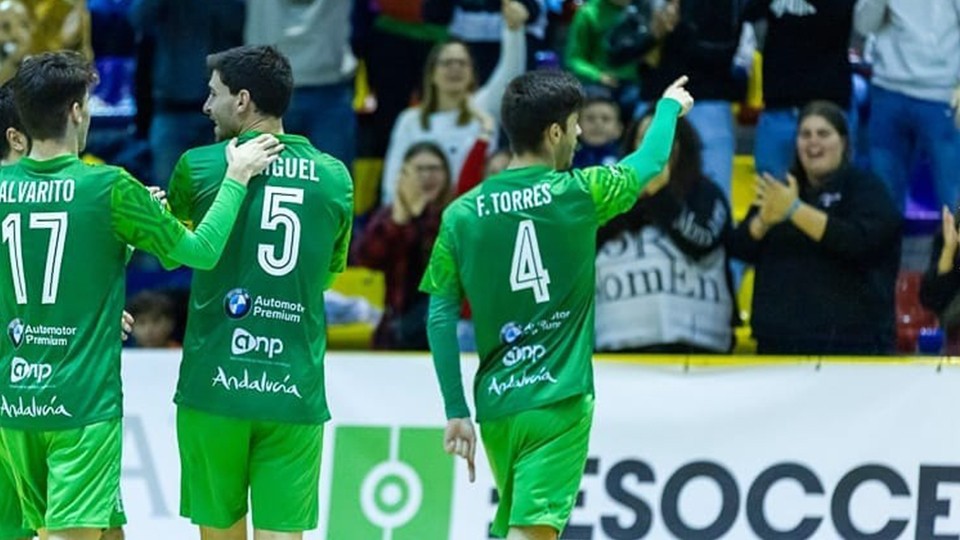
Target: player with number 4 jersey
(66, 227)
(520, 247)
(251, 399)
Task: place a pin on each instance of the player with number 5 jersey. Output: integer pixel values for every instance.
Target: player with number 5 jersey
(520, 247)
(251, 399)
(66, 227)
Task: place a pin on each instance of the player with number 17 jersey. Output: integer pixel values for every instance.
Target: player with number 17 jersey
(256, 332)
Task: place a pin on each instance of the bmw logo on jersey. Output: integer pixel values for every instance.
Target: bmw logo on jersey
(237, 303)
(510, 333)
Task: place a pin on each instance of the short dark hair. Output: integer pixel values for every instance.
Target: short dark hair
(261, 70)
(536, 100)
(152, 303)
(45, 89)
(8, 119)
(601, 100)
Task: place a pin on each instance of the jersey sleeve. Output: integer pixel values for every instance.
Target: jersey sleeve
(140, 221)
(341, 248)
(180, 195)
(442, 277)
(614, 189)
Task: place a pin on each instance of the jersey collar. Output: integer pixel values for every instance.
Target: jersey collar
(45, 165)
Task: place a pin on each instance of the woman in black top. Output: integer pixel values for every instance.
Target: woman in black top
(826, 247)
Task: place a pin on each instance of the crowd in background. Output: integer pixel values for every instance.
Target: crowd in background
(856, 146)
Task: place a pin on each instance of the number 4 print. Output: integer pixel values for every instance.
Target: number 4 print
(527, 271)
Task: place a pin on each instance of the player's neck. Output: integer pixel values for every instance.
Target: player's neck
(530, 160)
(51, 148)
(264, 124)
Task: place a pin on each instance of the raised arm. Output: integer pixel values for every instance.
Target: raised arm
(139, 220)
(579, 43)
(512, 62)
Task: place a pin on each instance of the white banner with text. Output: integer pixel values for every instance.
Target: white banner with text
(785, 450)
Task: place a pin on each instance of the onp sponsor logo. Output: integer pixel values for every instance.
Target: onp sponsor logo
(524, 353)
(244, 342)
(21, 370)
(390, 483)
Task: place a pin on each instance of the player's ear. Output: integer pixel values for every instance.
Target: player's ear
(244, 103)
(16, 140)
(76, 112)
(554, 133)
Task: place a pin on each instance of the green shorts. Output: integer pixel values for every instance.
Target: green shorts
(11, 517)
(537, 458)
(70, 478)
(222, 459)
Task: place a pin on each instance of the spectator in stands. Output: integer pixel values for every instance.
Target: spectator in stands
(805, 58)
(155, 320)
(16, 35)
(395, 37)
(915, 99)
(60, 24)
(183, 32)
(315, 36)
(940, 288)
(663, 274)
(698, 38)
(479, 24)
(398, 241)
(448, 113)
(600, 133)
(586, 54)
(825, 243)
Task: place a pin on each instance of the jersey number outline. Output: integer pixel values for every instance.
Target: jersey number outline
(275, 215)
(526, 270)
(56, 223)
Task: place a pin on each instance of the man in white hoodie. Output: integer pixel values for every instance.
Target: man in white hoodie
(915, 100)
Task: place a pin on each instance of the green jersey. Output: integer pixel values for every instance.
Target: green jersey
(256, 331)
(65, 230)
(521, 248)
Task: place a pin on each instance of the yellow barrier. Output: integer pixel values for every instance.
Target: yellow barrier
(742, 186)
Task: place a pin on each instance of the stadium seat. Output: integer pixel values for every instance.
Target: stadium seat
(911, 317)
(366, 184)
(365, 283)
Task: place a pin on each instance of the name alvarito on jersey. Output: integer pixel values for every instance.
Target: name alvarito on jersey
(294, 169)
(516, 200)
(37, 191)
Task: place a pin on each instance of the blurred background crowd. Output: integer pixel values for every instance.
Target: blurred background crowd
(811, 192)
